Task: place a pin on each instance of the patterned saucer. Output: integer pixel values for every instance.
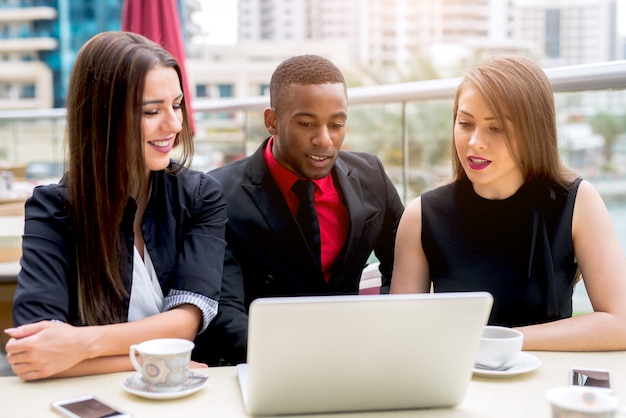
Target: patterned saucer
(137, 386)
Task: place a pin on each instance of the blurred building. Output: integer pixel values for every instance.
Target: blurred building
(569, 32)
(26, 34)
(382, 33)
(39, 40)
(396, 32)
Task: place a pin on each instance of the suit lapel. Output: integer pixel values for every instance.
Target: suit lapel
(273, 208)
(268, 198)
(350, 186)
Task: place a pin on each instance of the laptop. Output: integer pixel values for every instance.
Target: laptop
(319, 354)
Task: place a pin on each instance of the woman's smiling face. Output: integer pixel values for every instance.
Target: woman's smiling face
(162, 116)
(482, 148)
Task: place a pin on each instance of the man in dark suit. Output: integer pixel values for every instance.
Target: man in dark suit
(357, 208)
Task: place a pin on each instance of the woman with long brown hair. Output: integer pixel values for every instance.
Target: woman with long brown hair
(129, 245)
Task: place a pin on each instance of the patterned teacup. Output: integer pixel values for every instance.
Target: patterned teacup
(163, 363)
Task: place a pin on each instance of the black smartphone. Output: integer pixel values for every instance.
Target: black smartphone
(86, 407)
(596, 378)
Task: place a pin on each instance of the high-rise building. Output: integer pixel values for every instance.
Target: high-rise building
(25, 36)
(569, 32)
(380, 32)
(394, 32)
(39, 40)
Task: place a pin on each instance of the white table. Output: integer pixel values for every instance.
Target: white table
(519, 396)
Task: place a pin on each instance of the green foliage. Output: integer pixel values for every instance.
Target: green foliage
(610, 127)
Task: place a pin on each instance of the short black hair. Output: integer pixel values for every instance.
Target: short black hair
(305, 69)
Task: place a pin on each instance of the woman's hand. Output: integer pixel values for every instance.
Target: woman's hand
(197, 365)
(43, 349)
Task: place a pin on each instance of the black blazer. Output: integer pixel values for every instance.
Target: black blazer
(185, 213)
(267, 256)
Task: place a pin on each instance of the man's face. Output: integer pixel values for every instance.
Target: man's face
(309, 127)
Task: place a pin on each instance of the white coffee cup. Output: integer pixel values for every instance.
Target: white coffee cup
(582, 402)
(163, 363)
(499, 348)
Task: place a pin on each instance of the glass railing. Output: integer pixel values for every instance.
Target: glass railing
(408, 125)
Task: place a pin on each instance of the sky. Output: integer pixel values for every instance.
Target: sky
(219, 19)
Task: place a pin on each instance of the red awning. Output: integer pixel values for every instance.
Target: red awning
(159, 20)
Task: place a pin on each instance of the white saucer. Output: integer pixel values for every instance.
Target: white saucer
(137, 386)
(525, 363)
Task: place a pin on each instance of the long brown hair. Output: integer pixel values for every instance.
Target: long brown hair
(517, 89)
(106, 169)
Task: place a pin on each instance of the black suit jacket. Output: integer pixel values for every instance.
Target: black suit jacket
(266, 254)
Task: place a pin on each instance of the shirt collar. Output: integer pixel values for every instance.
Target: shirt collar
(285, 178)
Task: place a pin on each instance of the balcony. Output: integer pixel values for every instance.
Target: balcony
(28, 44)
(27, 14)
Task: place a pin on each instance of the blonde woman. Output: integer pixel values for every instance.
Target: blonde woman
(514, 221)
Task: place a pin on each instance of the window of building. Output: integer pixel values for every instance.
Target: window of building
(225, 90)
(201, 90)
(28, 91)
(553, 33)
(28, 57)
(6, 90)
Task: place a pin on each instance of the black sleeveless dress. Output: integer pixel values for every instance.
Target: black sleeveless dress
(518, 249)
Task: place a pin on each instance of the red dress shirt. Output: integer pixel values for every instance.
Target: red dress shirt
(332, 213)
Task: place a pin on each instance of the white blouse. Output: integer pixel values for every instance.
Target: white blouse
(146, 296)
